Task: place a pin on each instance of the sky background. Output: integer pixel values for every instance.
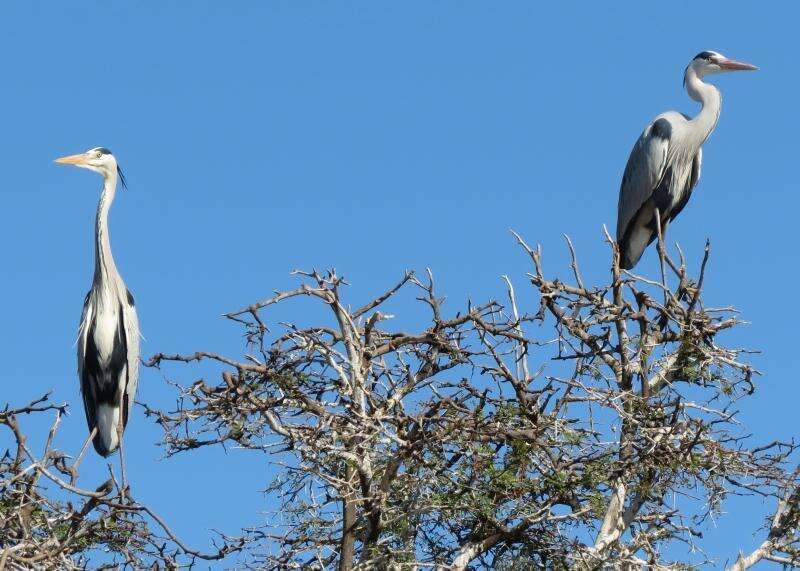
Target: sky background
(260, 137)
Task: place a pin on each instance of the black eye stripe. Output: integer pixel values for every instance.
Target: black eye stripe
(708, 56)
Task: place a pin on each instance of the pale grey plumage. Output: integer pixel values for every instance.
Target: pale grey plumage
(108, 360)
(664, 166)
(108, 338)
(663, 169)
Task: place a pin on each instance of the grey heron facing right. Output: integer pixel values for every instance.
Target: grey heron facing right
(108, 341)
(664, 166)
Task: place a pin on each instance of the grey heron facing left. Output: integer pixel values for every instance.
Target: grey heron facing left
(664, 166)
(108, 341)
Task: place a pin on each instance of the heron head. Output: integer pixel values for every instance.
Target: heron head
(98, 159)
(708, 63)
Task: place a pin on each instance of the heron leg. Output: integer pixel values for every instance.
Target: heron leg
(77, 462)
(661, 252)
(124, 485)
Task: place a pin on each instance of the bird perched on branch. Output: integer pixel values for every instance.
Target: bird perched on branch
(664, 165)
(108, 341)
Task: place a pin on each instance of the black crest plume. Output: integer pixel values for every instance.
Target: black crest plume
(122, 178)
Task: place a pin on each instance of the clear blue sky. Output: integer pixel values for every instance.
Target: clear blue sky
(259, 137)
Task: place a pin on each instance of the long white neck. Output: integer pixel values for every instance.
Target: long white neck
(710, 99)
(103, 259)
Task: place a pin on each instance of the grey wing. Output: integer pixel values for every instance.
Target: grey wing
(131, 324)
(697, 165)
(87, 391)
(645, 168)
(694, 178)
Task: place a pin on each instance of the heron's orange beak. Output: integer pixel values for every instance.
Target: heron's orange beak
(733, 65)
(72, 159)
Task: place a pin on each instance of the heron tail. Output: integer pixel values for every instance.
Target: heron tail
(633, 245)
(106, 441)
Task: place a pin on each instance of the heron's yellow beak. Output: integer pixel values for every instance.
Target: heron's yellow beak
(73, 159)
